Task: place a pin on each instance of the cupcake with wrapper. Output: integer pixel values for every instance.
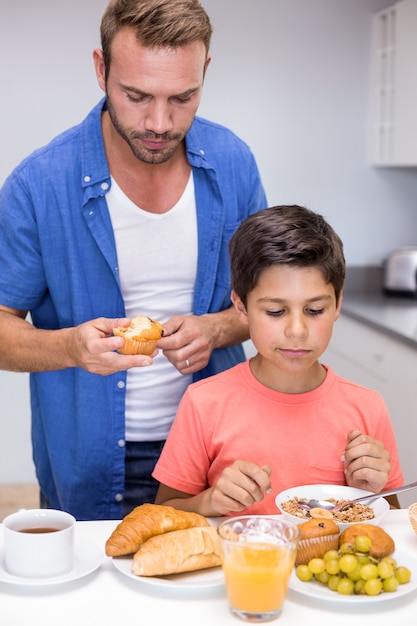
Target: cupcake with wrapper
(140, 336)
(317, 536)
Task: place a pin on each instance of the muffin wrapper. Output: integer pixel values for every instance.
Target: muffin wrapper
(132, 346)
(315, 547)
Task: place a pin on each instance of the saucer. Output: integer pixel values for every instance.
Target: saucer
(88, 557)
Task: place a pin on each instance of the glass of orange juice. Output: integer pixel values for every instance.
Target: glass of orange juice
(258, 554)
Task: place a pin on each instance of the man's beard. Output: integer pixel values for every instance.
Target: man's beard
(140, 152)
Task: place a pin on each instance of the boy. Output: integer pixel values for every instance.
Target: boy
(280, 419)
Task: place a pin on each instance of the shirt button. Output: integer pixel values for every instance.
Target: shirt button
(121, 384)
(87, 179)
(121, 443)
(118, 497)
(104, 186)
(202, 152)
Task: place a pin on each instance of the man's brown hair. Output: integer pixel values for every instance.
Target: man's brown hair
(157, 23)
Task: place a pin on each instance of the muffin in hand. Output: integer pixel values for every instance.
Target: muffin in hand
(140, 336)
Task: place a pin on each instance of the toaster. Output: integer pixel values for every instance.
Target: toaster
(400, 273)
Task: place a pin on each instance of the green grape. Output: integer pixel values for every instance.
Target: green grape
(332, 566)
(363, 559)
(316, 565)
(360, 586)
(304, 573)
(402, 574)
(346, 586)
(333, 582)
(390, 560)
(369, 572)
(347, 548)
(323, 577)
(348, 563)
(385, 569)
(331, 555)
(363, 543)
(390, 584)
(373, 586)
(356, 573)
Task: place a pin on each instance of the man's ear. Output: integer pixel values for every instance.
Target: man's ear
(239, 307)
(100, 68)
(207, 63)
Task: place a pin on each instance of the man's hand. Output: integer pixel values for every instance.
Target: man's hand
(92, 347)
(188, 341)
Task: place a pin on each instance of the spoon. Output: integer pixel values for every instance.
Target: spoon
(330, 506)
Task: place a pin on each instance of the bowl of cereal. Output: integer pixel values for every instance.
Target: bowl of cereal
(359, 512)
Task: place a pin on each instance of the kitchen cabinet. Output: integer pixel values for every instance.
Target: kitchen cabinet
(371, 358)
(394, 85)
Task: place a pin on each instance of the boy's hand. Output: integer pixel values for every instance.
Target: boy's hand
(240, 485)
(366, 462)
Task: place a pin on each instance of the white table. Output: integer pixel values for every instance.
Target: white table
(108, 597)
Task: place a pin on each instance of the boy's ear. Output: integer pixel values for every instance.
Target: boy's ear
(239, 306)
(339, 306)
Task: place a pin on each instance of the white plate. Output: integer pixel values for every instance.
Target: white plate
(211, 578)
(88, 557)
(319, 591)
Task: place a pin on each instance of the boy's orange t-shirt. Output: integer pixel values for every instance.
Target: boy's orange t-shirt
(232, 416)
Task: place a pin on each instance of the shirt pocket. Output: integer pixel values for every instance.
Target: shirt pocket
(321, 475)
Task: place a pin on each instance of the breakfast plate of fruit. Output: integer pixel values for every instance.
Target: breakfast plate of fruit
(313, 588)
(359, 565)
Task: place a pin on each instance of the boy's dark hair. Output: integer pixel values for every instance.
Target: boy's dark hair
(285, 235)
(157, 23)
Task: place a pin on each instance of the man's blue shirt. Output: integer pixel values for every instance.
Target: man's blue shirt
(58, 260)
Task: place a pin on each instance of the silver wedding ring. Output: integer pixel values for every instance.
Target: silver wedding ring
(187, 362)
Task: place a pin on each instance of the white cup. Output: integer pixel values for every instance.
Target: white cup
(39, 543)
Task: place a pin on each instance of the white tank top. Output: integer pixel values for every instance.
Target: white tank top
(157, 259)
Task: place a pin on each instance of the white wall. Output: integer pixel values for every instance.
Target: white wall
(295, 84)
(16, 464)
(289, 76)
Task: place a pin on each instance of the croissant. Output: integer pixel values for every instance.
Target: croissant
(144, 522)
(178, 551)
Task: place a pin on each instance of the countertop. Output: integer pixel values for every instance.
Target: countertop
(364, 300)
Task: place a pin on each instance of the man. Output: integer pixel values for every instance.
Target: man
(128, 213)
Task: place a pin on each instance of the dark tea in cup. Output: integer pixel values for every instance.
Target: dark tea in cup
(39, 543)
(38, 530)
